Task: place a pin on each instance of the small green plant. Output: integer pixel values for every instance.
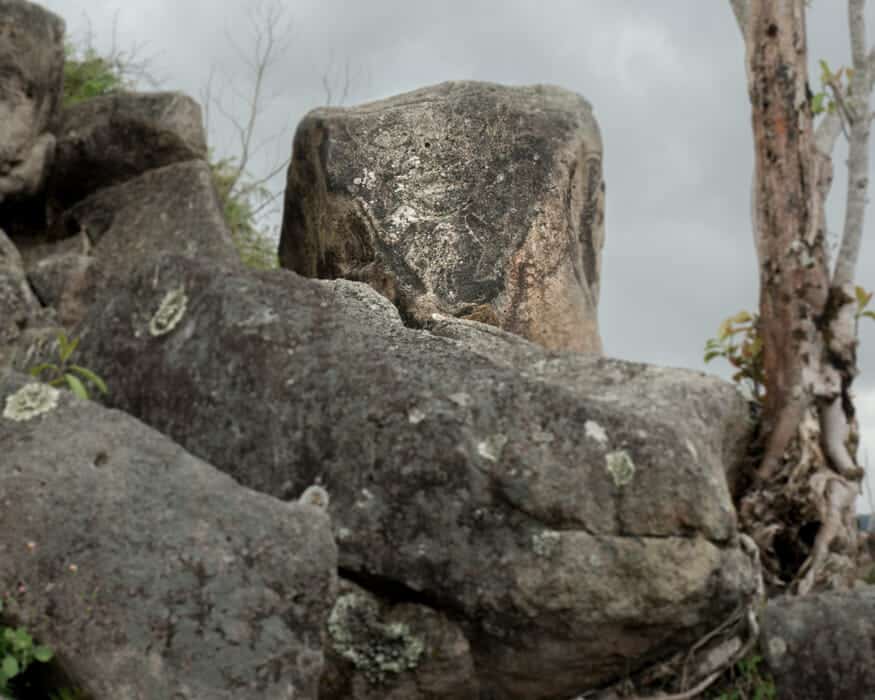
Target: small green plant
(64, 372)
(17, 652)
(746, 681)
(240, 204)
(87, 74)
(738, 341)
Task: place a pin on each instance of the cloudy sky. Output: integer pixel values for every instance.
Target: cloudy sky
(666, 81)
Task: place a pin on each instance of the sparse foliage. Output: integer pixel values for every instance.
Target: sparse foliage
(64, 372)
(17, 652)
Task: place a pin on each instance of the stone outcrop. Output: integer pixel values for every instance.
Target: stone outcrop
(819, 646)
(148, 572)
(470, 199)
(572, 507)
(112, 139)
(31, 66)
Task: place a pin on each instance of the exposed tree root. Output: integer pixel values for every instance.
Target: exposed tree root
(691, 672)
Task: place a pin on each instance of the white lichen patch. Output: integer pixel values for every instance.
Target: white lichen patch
(620, 466)
(595, 432)
(546, 543)
(415, 416)
(461, 399)
(367, 180)
(777, 647)
(492, 447)
(403, 216)
(692, 448)
(169, 313)
(377, 649)
(31, 401)
(315, 495)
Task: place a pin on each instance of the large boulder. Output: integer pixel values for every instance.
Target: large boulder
(31, 66)
(819, 646)
(570, 514)
(470, 199)
(112, 139)
(148, 572)
(174, 208)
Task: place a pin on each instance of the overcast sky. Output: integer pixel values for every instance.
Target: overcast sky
(667, 84)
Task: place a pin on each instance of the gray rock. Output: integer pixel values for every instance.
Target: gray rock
(819, 646)
(379, 651)
(169, 209)
(148, 572)
(69, 282)
(572, 517)
(17, 300)
(471, 199)
(112, 139)
(32, 64)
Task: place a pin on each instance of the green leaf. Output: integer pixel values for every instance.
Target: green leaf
(711, 355)
(67, 348)
(91, 377)
(869, 314)
(76, 386)
(817, 103)
(863, 297)
(10, 666)
(40, 368)
(42, 654)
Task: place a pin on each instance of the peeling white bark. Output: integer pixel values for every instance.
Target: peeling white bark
(857, 101)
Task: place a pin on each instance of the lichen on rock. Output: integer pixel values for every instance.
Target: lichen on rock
(30, 401)
(620, 466)
(169, 313)
(377, 649)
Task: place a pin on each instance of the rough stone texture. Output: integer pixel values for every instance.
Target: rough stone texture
(471, 199)
(151, 574)
(174, 208)
(109, 140)
(23, 322)
(69, 282)
(17, 301)
(820, 646)
(572, 517)
(31, 66)
(378, 651)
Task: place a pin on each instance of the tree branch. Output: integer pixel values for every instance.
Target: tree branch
(857, 101)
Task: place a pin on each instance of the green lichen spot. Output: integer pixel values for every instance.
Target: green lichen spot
(378, 650)
(546, 542)
(169, 313)
(620, 466)
(30, 401)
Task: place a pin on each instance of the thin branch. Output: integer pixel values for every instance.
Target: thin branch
(858, 94)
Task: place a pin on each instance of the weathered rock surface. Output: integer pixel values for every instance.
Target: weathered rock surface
(571, 515)
(170, 208)
(378, 651)
(23, 321)
(67, 282)
(820, 646)
(151, 574)
(17, 300)
(31, 66)
(470, 199)
(109, 140)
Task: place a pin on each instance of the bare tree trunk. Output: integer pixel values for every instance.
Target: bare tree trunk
(800, 508)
